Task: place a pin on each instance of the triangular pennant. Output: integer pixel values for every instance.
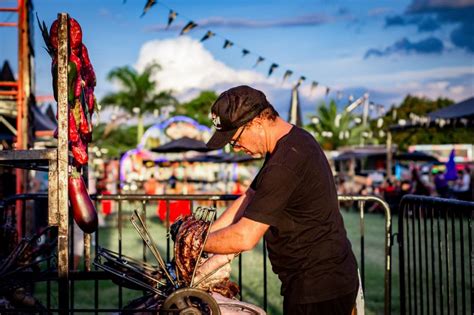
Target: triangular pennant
(188, 27)
(272, 67)
(147, 7)
(314, 85)
(259, 60)
(228, 44)
(287, 74)
(300, 80)
(245, 52)
(171, 16)
(208, 35)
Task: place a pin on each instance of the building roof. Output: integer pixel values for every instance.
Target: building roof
(464, 109)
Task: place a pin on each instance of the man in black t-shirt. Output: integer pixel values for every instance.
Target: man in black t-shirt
(292, 202)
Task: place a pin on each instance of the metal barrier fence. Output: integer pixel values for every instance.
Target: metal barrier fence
(142, 202)
(435, 251)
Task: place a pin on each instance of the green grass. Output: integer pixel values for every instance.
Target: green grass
(252, 274)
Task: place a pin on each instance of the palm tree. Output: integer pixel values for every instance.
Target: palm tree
(333, 129)
(137, 95)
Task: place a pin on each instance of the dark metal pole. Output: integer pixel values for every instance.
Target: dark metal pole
(401, 253)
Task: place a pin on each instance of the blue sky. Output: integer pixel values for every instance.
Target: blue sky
(386, 48)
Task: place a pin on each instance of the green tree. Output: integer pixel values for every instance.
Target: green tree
(414, 109)
(333, 129)
(137, 94)
(117, 142)
(198, 108)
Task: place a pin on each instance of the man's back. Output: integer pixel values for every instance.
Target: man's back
(307, 243)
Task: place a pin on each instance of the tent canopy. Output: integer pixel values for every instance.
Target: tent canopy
(42, 121)
(460, 115)
(464, 109)
(415, 156)
(183, 144)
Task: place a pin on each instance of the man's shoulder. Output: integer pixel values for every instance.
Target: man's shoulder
(298, 150)
(299, 144)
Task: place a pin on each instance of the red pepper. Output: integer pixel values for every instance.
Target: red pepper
(84, 126)
(87, 70)
(53, 35)
(90, 99)
(79, 152)
(83, 209)
(75, 37)
(73, 134)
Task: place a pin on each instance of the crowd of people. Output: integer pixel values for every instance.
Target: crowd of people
(428, 182)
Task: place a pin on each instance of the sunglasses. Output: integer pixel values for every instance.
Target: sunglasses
(233, 142)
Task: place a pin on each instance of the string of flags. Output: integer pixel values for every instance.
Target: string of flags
(172, 15)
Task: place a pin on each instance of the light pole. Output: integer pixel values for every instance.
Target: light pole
(363, 100)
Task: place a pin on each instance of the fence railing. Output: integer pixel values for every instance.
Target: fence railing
(435, 251)
(146, 203)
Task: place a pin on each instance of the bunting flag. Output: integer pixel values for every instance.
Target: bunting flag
(208, 35)
(259, 60)
(171, 16)
(147, 7)
(314, 85)
(227, 44)
(287, 74)
(272, 67)
(300, 80)
(188, 27)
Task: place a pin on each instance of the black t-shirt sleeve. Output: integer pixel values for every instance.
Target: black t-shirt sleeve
(273, 189)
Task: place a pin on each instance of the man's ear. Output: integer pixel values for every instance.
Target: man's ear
(258, 122)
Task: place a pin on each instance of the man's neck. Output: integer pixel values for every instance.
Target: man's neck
(276, 130)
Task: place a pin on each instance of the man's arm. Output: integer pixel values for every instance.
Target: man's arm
(235, 238)
(234, 212)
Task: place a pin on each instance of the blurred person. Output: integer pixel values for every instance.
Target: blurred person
(441, 185)
(151, 185)
(292, 203)
(172, 183)
(418, 187)
(391, 194)
(462, 187)
(405, 188)
(237, 188)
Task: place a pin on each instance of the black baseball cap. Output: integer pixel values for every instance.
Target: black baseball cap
(233, 109)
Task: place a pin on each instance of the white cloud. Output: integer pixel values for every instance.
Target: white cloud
(187, 66)
(457, 89)
(431, 89)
